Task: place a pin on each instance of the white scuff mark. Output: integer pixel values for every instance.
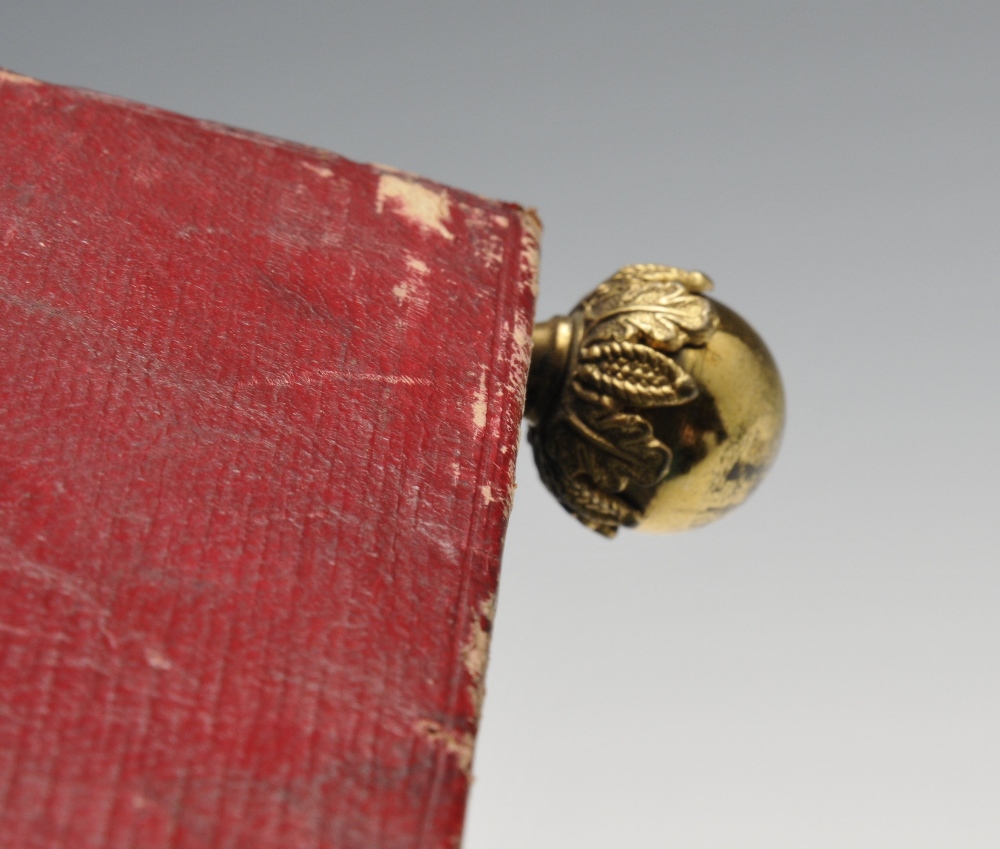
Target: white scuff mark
(508, 502)
(413, 286)
(501, 221)
(490, 253)
(318, 169)
(487, 493)
(479, 405)
(307, 378)
(488, 607)
(427, 208)
(489, 245)
(522, 343)
(476, 651)
(157, 659)
(520, 353)
(476, 656)
(532, 224)
(415, 263)
(459, 744)
(531, 234)
(17, 79)
(400, 291)
(456, 471)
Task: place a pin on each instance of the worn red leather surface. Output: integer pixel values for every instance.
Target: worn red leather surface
(259, 407)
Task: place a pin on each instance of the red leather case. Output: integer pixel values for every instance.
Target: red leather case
(259, 408)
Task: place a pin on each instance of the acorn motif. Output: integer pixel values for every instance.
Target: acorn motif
(651, 405)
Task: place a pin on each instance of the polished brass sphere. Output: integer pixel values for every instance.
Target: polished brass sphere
(652, 405)
(724, 440)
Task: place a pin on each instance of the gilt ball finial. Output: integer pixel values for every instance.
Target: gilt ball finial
(652, 405)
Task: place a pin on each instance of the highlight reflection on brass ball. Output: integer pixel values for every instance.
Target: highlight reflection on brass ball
(651, 405)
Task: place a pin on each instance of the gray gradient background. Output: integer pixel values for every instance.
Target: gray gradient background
(820, 669)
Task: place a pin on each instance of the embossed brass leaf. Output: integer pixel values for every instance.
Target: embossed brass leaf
(633, 374)
(597, 446)
(651, 304)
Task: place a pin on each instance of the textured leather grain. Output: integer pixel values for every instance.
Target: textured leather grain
(259, 408)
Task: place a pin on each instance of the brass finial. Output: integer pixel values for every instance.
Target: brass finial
(651, 404)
